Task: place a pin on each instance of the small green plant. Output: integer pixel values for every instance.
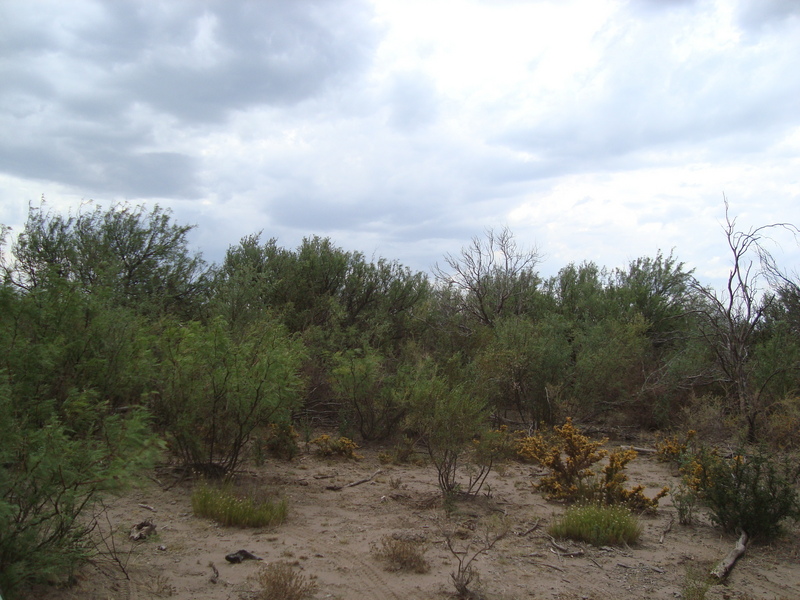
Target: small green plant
(280, 581)
(598, 525)
(696, 584)
(327, 446)
(233, 510)
(752, 493)
(402, 555)
(685, 500)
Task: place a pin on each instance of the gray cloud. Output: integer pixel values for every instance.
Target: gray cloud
(86, 66)
(296, 117)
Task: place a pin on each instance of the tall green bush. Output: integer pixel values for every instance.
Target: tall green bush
(216, 387)
(50, 481)
(447, 415)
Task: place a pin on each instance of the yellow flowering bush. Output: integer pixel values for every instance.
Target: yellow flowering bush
(570, 456)
(674, 449)
(327, 446)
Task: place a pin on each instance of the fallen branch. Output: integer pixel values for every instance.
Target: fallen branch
(572, 554)
(641, 450)
(336, 488)
(544, 564)
(724, 567)
(532, 529)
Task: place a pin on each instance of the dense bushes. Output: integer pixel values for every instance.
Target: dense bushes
(112, 333)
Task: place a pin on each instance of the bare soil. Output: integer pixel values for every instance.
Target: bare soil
(330, 536)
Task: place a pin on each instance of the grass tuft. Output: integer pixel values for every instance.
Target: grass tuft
(598, 525)
(279, 581)
(232, 510)
(402, 555)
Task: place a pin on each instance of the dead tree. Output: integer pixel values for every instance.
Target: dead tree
(731, 318)
(490, 275)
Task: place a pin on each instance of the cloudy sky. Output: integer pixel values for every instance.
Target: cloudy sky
(596, 130)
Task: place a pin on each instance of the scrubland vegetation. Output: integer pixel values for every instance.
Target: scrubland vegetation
(120, 347)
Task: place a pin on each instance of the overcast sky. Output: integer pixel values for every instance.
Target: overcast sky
(595, 130)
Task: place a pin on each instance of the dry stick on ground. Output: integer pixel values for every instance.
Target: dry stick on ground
(725, 566)
(640, 449)
(336, 488)
(532, 529)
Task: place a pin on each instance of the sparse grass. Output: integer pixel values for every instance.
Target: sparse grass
(598, 525)
(402, 555)
(695, 584)
(232, 510)
(280, 581)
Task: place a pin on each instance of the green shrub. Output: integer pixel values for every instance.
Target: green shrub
(281, 441)
(50, 483)
(751, 493)
(230, 509)
(217, 386)
(598, 525)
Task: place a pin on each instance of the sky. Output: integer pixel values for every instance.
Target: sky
(595, 130)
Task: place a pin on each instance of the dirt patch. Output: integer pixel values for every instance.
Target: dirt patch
(330, 535)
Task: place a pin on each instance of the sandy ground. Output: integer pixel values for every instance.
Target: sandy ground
(331, 536)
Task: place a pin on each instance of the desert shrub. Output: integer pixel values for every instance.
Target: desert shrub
(401, 453)
(782, 427)
(598, 525)
(570, 457)
(465, 575)
(281, 441)
(696, 584)
(50, 483)
(612, 481)
(448, 416)
(358, 379)
(674, 449)
(217, 386)
(684, 499)
(708, 416)
(280, 581)
(752, 493)
(221, 504)
(402, 555)
(343, 446)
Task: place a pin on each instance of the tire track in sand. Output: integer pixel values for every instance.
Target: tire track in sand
(373, 585)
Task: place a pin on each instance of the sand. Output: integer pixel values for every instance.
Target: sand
(330, 536)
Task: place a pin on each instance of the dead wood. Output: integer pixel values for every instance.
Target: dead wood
(726, 564)
(532, 529)
(140, 531)
(640, 449)
(336, 488)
